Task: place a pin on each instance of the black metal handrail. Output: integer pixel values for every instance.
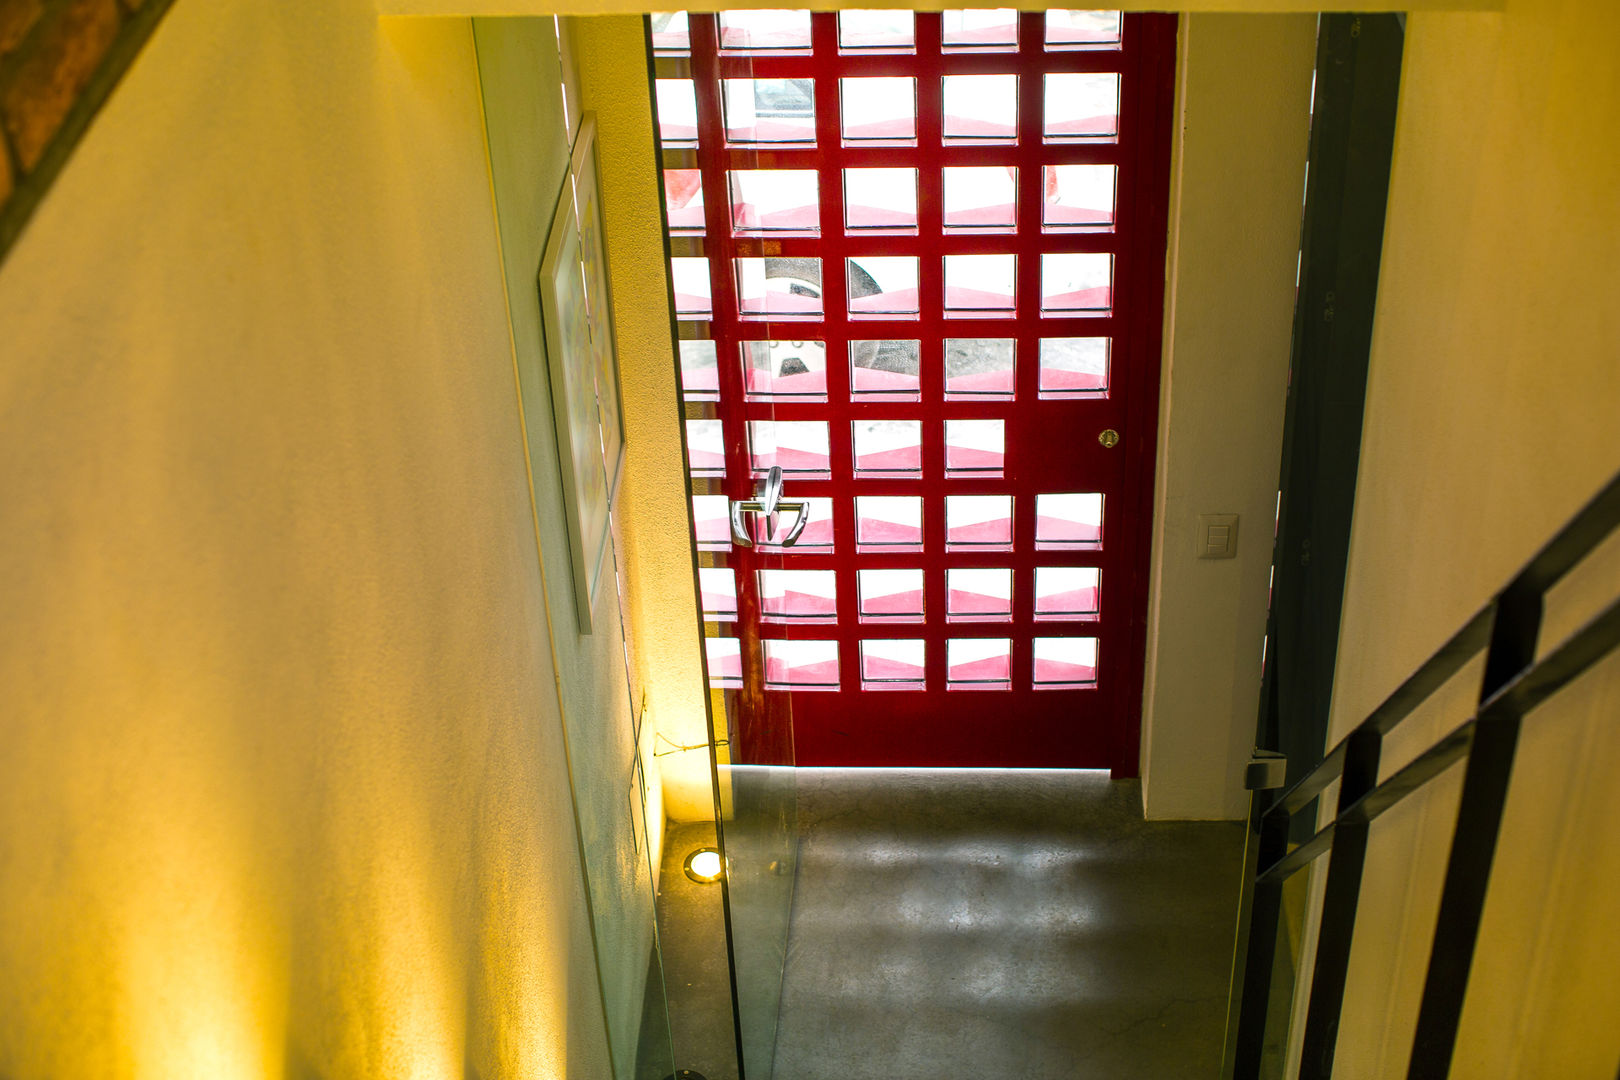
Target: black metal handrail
(1508, 630)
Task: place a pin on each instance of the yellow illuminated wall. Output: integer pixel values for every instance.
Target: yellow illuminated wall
(1492, 408)
(282, 783)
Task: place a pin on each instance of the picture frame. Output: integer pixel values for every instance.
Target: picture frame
(582, 358)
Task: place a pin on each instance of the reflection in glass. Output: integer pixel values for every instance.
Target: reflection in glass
(1081, 107)
(689, 278)
(798, 446)
(769, 111)
(978, 664)
(671, 33)
(785, 370)
(883, 285)
(879, 30)
(885, 370)
(880, 199)
(975, 447)
(718, 588)
(774, 200)
(725, 661)
(1074, 367)
(980, 29)
(765, 31)
(891, 595)
(892, 664)
(705, 448)
(1066, 592)
(1077, 284)
(683, 201)
(700, 370)
(801, 665)
(978, 368)
(887, 447)
(978, 594)
(1071, 521)
(677, 112)
(1078, 196)
(1065, 663)
(711, 522)
(880, 111)
(798, 595)
(1082, 29)
(785, 287)
(981, 197)
(980, 284)
(981, 108)
(889, 522)
(978, 522)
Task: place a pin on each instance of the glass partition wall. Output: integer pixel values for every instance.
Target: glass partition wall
(749, 352)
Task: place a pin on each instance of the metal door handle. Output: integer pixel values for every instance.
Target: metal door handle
(768, 500)
(797, 507)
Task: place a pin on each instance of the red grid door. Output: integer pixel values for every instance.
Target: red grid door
(919, 267)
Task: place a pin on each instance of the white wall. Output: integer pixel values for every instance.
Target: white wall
(1238, 175)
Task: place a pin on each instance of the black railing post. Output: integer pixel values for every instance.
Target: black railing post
(1346, 858)
(1514, 634)
(1516, 682)
(1270, 834)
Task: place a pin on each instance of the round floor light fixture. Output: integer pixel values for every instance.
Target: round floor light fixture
(704, 866)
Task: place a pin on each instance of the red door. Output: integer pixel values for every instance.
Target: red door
(918, 264)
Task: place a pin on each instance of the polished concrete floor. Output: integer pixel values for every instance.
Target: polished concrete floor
(1003, 924)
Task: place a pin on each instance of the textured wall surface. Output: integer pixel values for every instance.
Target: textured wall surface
(282, 791)
(1237, 179)
(523, 74)
(1491, 407)
(654, 516)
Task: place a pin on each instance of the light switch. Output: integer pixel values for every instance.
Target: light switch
(1217, 536)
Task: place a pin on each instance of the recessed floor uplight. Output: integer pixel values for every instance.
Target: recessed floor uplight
(704, 866)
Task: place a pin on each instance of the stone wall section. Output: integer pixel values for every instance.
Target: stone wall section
(59, 61)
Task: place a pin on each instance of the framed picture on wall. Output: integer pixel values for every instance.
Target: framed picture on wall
(599, 297)
(584, 369)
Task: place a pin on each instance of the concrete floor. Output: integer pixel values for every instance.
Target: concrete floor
(1003, 924)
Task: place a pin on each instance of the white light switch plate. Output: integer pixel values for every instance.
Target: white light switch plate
(1217, 536)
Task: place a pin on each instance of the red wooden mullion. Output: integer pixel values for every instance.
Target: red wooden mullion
(832, 249)
(926, 159)
(957, 243)
(742, 65)
(723, 324)
(1024, 415)
(793, 156)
